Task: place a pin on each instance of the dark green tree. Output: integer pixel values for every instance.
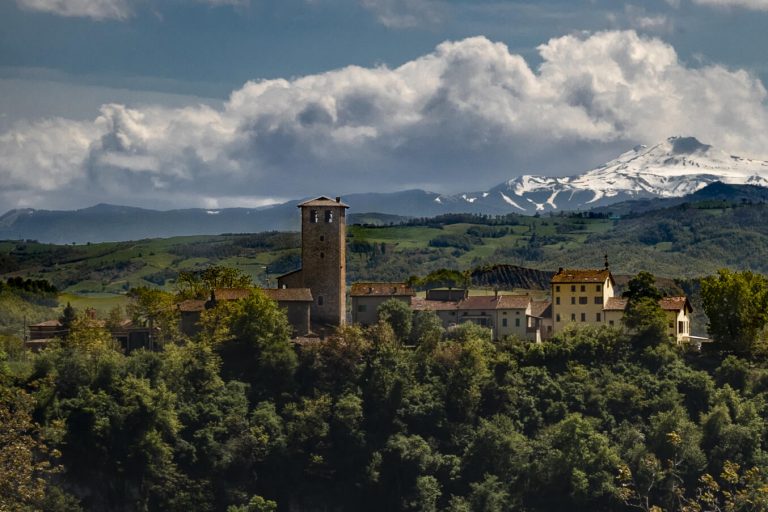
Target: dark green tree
(643, 285)
(399, 316)
(736, 304)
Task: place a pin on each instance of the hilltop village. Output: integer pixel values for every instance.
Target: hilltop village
(315, 296)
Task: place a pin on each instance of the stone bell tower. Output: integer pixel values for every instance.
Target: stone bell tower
(323, 259)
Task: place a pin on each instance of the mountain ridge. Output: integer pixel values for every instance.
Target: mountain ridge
(641, 178)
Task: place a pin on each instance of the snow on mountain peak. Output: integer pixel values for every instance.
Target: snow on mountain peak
(674, 167)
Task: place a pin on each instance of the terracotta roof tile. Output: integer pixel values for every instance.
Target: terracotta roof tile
(47, 323)
(513, 301)
(582, 276)
(540, 308)
(674, 303)
(323, 201)
(288, 294)
(191, 305)
(231, 293)
(419, 304)
(380, 290)
(615, 304)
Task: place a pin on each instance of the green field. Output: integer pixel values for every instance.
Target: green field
(676, 243)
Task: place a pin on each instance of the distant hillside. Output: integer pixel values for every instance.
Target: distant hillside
(713, 193)
(509, 277)
(111, 223)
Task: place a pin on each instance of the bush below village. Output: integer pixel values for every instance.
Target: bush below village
(399, 416)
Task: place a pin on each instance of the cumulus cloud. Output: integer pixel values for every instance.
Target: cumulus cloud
(100, 10)
(463, 117)
(758, 5)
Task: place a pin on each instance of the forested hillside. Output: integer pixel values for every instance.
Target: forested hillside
(401, 416)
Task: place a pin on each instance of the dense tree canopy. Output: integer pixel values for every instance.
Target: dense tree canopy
(736, 304)
(398, 416)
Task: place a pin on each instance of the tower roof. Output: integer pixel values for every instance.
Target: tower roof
(323, 201)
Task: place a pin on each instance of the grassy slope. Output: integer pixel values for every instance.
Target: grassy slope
(681, 242)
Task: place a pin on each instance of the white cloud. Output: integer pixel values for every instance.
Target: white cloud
(101, 10)
(95, 9)
(758, 5)
(465, 116)
(405, 13)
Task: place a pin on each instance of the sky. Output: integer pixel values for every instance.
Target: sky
(219, 103)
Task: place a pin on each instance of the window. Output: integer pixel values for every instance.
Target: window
(322, 238)
(599, 300)
(582, 300)
(503, 322)
(583, 317)
(322, 255)
(672, 324)
(573, 317)
(557, 288)
(598, 288)
(362, 308)
(517, 322)
(597, 317)
(329, 216)
(680, 327)
(558, 317)
(313, 216)
(583, 288)
(610, 322)
(557, 300)
(573, 287)
(573, 300)
(319, 300)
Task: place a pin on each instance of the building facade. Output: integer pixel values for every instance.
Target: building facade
(323, 260)
(579, 296)
(367, 297)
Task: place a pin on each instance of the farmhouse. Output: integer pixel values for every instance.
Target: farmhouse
(367, 297)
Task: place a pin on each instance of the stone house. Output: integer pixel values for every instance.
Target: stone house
(367, 297)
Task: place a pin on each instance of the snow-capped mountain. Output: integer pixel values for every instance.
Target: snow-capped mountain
(676, 167)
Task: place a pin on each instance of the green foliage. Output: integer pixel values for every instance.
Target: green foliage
(737, 306)
(239, 419)
(646, 321)
(642, 286)
(252, 337)
(398, 315)
(198, 284)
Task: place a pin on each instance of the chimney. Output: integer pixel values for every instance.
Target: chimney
(606, 262)
(338, 199)
(496, 292)
(90, 313)
(560, 270)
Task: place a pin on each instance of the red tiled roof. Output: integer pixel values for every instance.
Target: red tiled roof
(191, 305)
(513, 301)
(380, 290)
(541, 308)
(666, 303)
(473, 302)
(232, 293)
(323, 201)
(582, 276)
(419, 304)
(47, 323)
(288, 294)
(674, 303)
(615, 304)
